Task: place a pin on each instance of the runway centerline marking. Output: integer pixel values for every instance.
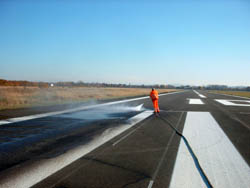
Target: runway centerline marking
(220, 160)
(229, 102)
(195, 101)
(200, 95)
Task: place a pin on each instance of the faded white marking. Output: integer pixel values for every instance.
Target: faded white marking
(247, 113)
(195, 101)
(200, 95)
(18, 119)
(229, 102)
(150, 183)
(125, 136)
(27, 175)
(122, 138)
(220, 160)
(163, 157)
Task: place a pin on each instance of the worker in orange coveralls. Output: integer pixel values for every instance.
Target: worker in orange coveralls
(154, 96)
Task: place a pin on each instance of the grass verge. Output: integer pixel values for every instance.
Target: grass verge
(21, 97)
(236, 93)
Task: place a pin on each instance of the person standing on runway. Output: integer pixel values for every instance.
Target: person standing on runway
(154, 97)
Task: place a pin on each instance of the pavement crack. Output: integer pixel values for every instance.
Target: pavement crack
(116, 166)
(135, 182)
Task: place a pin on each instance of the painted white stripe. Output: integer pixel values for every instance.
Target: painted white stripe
(200, 95)
(4, 122)
(28, 175)
(229, 102)
(246, 101)
(150, 184)
(220, 160)
(195, 101)
(18, 119)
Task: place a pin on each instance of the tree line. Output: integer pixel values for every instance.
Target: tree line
(85, 84)
(77, 84)
(22, 83)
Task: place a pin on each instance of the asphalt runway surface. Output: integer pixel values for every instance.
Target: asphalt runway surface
(200, 139)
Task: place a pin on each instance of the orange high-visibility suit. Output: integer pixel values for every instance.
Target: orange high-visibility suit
(154, 96)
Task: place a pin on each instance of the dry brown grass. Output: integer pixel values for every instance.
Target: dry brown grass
(237, 93)
(20, 97)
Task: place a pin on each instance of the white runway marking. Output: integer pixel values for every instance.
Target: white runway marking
(220, 160)
(200, 95)
(29, 175)
(150, 183)
(4, 122)
(195, 101)
(18, 119)
(229, 102)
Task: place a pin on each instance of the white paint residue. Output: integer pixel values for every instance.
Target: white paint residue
(195, 101)
(229, 102)
(220, 160)
(29, 175)
(200, 95)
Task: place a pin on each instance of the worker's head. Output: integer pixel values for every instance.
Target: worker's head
(153, 89)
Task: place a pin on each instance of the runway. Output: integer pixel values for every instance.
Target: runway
(200, 139)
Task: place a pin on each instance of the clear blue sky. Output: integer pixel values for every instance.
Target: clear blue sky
(126, 41)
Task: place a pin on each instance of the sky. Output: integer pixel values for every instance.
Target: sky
(126, 41)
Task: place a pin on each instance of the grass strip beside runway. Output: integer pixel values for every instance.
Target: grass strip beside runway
(235, 93)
